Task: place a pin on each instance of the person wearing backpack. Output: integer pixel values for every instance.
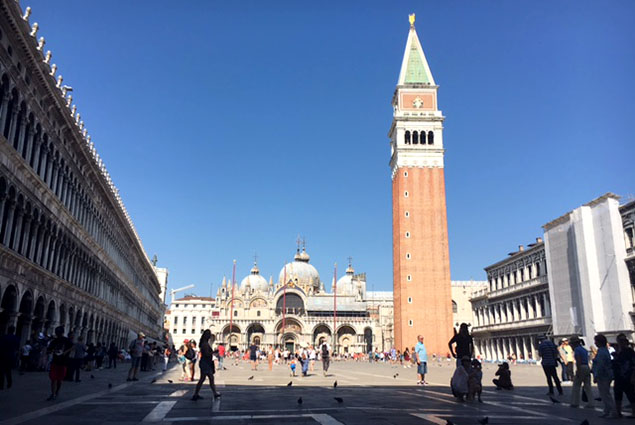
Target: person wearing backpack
(136, 350)
(325, 354)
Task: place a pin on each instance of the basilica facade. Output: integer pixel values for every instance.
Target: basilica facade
(297, 310)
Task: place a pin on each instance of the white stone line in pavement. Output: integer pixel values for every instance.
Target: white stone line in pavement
(160, 412)
(109, 402)
(430, 418)
(179, 393)
(63, 405)
(321, 418)
(325, 419)
(216, 404)
(505, 406)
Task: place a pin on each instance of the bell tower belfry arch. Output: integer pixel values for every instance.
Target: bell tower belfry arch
(421, 259)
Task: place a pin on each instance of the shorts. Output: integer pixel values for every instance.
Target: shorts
(422, 368)
(253, 358)
(57, 372)
(135, 362)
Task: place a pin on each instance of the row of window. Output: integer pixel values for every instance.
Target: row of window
(529, 272)
(419, 138)
(30, 232)
(43, 151)
(175, 321)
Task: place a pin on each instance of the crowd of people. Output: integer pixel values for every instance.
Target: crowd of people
(602, 363)
(66, 356)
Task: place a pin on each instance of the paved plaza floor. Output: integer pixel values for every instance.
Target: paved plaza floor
(370, 394)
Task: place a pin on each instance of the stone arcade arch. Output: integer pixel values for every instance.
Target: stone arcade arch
(322, 333)
(9, 307)
(368, 339)
(232, 338)
(346, 339)
(255, 334)
(24, 319)
(38, 316)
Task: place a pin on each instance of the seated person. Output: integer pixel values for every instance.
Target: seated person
(504, 381)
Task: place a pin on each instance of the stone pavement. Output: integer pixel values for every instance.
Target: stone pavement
(371, 394)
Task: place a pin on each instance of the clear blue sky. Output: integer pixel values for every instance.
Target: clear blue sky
(232, 127)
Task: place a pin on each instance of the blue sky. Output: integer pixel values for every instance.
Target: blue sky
(232, 127)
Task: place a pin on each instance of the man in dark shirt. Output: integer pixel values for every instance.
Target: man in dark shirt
(548, 354)
(253, 356)
(60, 347)
(9, 345)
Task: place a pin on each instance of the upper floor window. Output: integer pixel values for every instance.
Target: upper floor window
(455, 308)
(431, 137)
(415, 137)
(407, 138)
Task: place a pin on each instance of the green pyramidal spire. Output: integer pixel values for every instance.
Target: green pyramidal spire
(414, 68)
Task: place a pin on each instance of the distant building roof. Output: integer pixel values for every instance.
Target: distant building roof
(195, 298)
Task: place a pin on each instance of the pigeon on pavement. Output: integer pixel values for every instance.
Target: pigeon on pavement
(395, 375)
(109, 385)
(92, 376)
(584, 422)
(250, 378)
(484, 421)
(170, 381)
(300, 400)
(153, 381)
(290, 383)
(339, 399)
(335, 384)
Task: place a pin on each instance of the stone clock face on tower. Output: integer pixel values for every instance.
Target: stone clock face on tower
(417, 101)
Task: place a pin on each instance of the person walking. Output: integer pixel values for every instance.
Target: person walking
(548, 353)
(78, 358)
(60, 348)
(9, 345)
(192, 361)
(603, 375)
(206, 364)
(325, 355)
(253, 356)
(136, 351)
(167, 352)
(567, 358)
(422, 361)
(582, 374)
(464, 344)
(113, 352)
(270, 356)
(221, 356)
(624, 374)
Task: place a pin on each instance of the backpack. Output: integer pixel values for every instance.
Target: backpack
(189, 354)
(325, 350)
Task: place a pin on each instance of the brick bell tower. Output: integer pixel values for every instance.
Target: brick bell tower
(421, 258)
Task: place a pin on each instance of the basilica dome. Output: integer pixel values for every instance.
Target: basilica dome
(345, 284)
(254, 281)
(301, 272)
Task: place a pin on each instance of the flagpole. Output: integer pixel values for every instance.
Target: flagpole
(284, 304)
(335, 309)
(231, 309)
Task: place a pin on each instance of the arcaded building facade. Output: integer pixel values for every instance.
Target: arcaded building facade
(421, 257)
(514, 310)
(69, 254)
